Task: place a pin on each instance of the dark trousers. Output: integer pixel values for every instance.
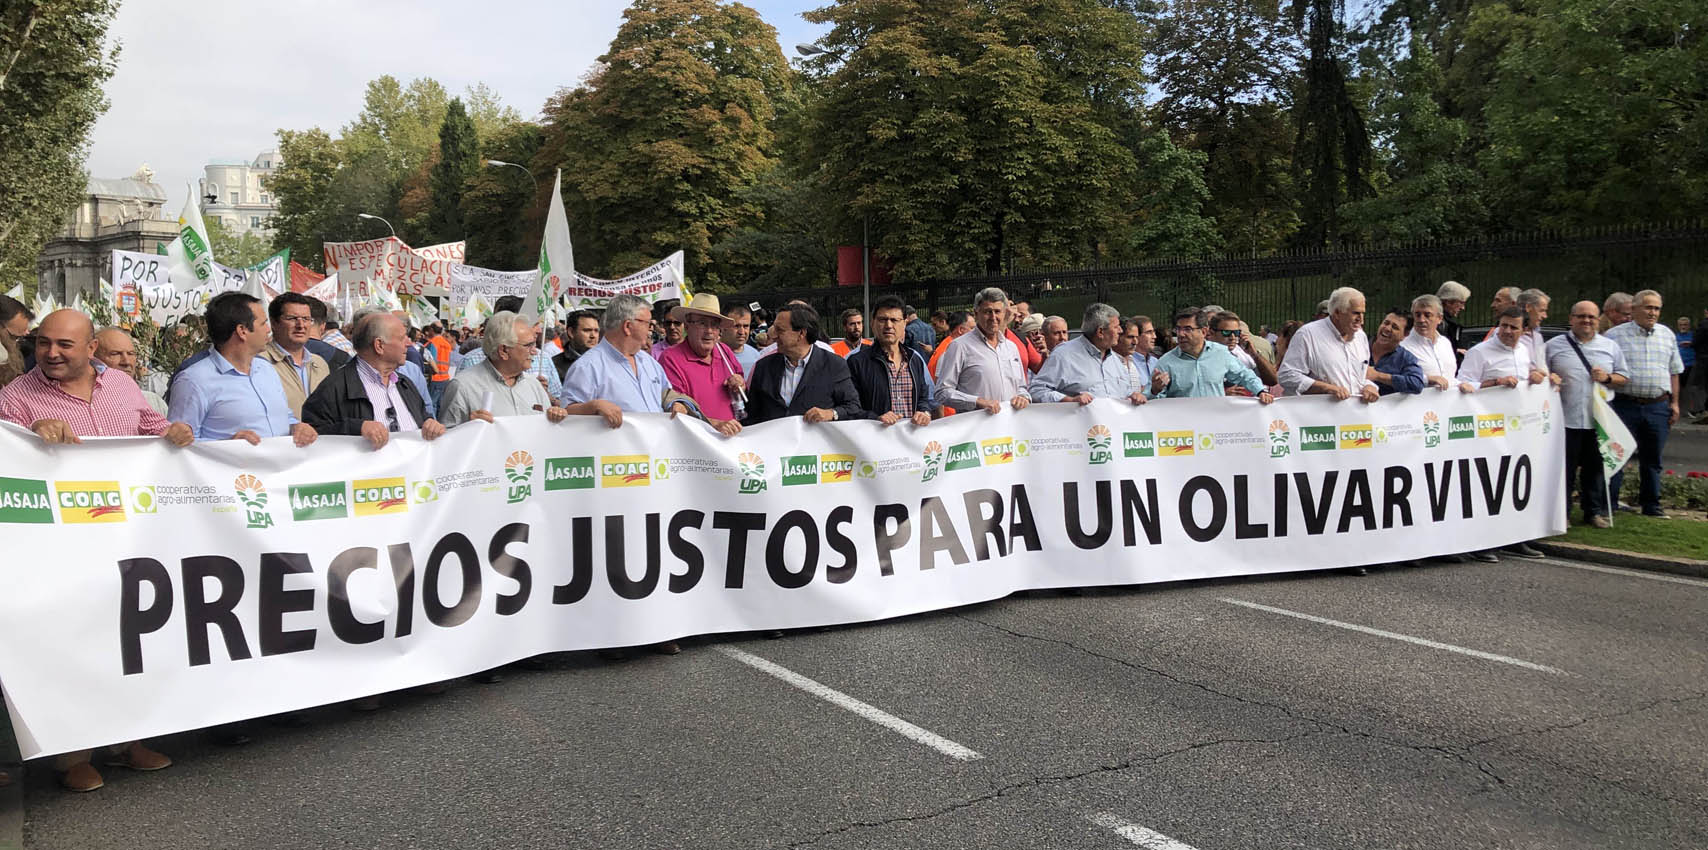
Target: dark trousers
(1648, 423)
(1583, 465)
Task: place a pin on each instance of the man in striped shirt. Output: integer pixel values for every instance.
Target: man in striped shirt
(69, 395)
(1648, 403)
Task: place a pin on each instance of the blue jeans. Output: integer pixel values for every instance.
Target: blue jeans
(1649, 424)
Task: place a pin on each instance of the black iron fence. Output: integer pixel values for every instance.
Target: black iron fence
(1570, 265)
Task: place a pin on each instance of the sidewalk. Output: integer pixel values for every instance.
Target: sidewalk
(1629, 560)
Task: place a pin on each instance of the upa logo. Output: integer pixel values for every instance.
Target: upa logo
(25, 500)
(519, 468)
(326, 500)
(963, 456)
(1138, 444)
(379, 496)
(1431, 430)
(1176, 443)
(752, 473)
(999, 450)
(1280, 438)
(1357, 436)
(1099, 445)
(800, 469)
(90, 501)
(570, 473)
(835, 468)
(1491, 424)
(625, 470)
(1461, 427)
(253, 494)
(932, 459)
(1317, 438)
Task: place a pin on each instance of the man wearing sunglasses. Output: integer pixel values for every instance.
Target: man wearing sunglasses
(1230, 331)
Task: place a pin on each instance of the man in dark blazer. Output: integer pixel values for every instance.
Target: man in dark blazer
(367, 397)
(889, 375)
(800, 379)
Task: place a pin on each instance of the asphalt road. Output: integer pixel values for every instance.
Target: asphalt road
(1686, 449)
(1513, 705)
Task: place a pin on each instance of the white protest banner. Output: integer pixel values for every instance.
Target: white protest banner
(184, 588)
(326, 290)
(390, 263)
(658, 282)
(166, 303)
(274, 273)
(488, 283)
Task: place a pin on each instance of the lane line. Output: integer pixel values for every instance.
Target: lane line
(1474, 653)
(866, 710)
(1149, 839)
(1632, 573)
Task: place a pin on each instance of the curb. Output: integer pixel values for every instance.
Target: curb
(1617, 558)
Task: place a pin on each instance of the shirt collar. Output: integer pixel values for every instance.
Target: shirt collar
(365, 369)
(804, 358)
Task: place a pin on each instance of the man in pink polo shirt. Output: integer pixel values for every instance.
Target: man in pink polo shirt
(702, 367)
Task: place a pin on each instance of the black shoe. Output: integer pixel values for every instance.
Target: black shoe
(1657, 513)
(1525, 550)
(774, 634)
(490, 677)
(1357, 571)
(289, 720)
(1485, 556)
(1630, 509)
(668, 647)
(613, 654)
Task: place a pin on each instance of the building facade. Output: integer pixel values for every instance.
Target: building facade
(125, 214)
(239, 200)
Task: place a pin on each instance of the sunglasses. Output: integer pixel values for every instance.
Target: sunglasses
(1230, 333)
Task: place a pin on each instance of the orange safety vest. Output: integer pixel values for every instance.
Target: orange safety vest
(441, 358)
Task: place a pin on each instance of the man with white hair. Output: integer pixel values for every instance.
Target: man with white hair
(1615, 311)
(1648, 404)
(1429, 345)
(1534, 303)
(500, 385)
(1080, 370)
(983, 370)
(1452, 296)
(1329, 356)
(1504, 297)
(1055, 333)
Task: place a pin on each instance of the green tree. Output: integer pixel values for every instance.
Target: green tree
(237, 250)
(302, 187)
(502, 208)
(458, 159)
(1332, 150)
(52, 65)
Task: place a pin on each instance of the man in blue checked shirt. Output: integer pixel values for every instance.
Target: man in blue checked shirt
(233, 393)
(1648, 403)
(1195, 369)
(1082, 369)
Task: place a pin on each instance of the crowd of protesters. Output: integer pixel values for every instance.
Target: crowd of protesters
(286, 369)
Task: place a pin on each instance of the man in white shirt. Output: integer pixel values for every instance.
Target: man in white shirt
(983, 369)
(1432, 350)
(1330, 355)
(1534, 303)
(1502, 361)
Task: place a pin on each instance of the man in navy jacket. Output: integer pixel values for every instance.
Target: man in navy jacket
(801, 379)
(888, 375)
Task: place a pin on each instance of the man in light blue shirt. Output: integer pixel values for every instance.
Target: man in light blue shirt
(1083, 369)
(1605, 365)
(618, 374)
(233, 393)
(1194, 369)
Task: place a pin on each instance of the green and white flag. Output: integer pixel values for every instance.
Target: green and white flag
(192, 256)
(476, 310)
(1611, 435)
(421, 312)
(557, 257)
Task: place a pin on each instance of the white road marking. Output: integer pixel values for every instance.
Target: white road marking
(1632, 573)
(866, 710)
(1474, 653)
(1149, 839)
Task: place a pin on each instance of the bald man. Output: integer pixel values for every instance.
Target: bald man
(115, 348)
(70, 394)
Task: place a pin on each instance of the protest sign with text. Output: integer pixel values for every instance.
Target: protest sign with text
(390, 263)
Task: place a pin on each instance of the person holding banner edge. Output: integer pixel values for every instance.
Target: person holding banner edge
(498, 385)
(233, 393)
(890, 375)
(703, 368)
(348, 401)
(1582, 359)
(1330, 355)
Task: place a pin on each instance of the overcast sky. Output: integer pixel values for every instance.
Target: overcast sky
(214, 79)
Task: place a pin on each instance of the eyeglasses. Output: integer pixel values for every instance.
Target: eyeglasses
(1186, 329)
(296, 320)
(1585, 316)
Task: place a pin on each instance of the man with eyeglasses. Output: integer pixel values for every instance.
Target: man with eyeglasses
(1196, 369)
(368, 397)
(1330, 355)
(510, 342)
(1583, 359)
(1649, 403)
(300, 370)
(705, 369)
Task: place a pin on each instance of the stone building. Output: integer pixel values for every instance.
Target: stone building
(124, 214)
(238, 199)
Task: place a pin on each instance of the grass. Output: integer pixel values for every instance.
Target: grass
(1679, 537)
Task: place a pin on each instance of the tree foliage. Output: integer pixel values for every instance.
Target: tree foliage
(458, 159)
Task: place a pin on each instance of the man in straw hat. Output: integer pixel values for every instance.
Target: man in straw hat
(703, 368)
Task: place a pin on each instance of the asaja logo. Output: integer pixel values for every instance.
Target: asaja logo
(963, 456)
(519, 468)
(379, 496)
(326, 500)
(835, 468)
(24, 500)
(1357, 436)
(1431, 430)
(933, 460)
(1175, 443)
(752, 473)
(1317, 438)
(253, 494)
(1099, 445)
(625, 470)
(1138, 444)
(424, 491)
(569, 473)
(143, 499)
(999, 450)
(1461, 427)
(800, 469)
(1491, 424)
(1280, 438)
(90, 501)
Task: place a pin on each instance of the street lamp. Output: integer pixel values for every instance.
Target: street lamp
(380, 220)
(500, 162)
(815, 50)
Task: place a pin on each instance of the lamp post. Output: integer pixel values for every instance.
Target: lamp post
(500, 162)
(380, 220)
(865, 220)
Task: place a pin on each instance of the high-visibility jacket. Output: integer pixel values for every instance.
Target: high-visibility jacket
(441, 358)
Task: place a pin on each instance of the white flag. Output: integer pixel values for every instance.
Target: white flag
(421, 312)
(1611, 435)
(192, 256)
(557, 257)
(476, 310)
(16, 292)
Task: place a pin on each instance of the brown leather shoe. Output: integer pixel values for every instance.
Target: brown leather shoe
(82, 778)
(1599, 521)
(138, 757)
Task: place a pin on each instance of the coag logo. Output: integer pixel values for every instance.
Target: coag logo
(1138, 444)
(1099, 443)
(379, 496)
(90, 501)
(963, 456)
(800, 469)
(1431, 430)
(326, 500)
(1357, 436)
(1491, 425)
(932, 460)
(143, 499)
(1280, 438)
(569, 473)
(999, 450)
(1317, 438)
(625, 470)
(835, 468)
(752, 473)
(1461, 427)
(1175, 443)
(253, 494)
(424, 491)
(25, 500)
(519, 468)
